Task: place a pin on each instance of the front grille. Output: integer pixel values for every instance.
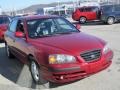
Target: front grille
(90, 56)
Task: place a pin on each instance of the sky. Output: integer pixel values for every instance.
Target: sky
(8, 5)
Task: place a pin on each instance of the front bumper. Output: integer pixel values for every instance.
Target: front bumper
(64, 75)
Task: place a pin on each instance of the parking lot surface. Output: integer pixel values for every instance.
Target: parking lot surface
(16, 76)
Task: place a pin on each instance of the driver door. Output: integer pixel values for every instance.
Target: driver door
(20, 43)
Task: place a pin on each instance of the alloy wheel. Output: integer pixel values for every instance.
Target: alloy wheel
(110, 20)
(35, 71)
(82, 20)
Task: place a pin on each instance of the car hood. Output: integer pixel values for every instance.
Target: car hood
(74, 43)
(3, 27)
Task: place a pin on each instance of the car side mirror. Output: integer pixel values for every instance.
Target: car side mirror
(19, 34)
(78, 26)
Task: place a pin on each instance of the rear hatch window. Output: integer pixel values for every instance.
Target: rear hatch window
(89, 9)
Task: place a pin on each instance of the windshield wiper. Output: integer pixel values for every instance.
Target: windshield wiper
(54, 34)
(67, 32)
(42, 36)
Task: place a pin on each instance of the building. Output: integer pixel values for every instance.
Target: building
(59, 8)
(62, 10)
(101, 1)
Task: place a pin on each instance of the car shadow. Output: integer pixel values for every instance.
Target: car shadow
(9, 68)
(54, 85)
(15, 71)
(93, 23)
(90, 23)
(18, 73)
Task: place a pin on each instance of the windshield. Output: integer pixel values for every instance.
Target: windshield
(4, 20)
(49, 27)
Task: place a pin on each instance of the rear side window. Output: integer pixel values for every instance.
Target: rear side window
(107, 8)
(94, 9)
(13, 25)
(88, 9)
(117, 8)
(81, 9)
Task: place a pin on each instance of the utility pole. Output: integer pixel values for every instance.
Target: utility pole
(77, 3)
(73, 5)
(59, 8)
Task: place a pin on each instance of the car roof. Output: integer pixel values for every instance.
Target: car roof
(4, 16)
(105, 5)
(31, 17)
(110, 5)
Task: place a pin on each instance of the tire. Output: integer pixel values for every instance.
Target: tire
(35, 72)
(8, 52)
(110, 20)
(82, 20)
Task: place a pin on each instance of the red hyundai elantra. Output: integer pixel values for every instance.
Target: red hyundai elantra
(55, 49)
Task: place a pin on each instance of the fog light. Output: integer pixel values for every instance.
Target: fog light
(61, 77)
(52, 59)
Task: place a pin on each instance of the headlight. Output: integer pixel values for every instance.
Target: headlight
(61, 58)
(106, 49)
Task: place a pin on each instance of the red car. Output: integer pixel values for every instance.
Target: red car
(4, 21)
(55, 49)
(84, 14)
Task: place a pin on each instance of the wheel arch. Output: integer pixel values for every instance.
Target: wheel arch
(32, 57)
(111, 16)
(84, 17)
(113, 19)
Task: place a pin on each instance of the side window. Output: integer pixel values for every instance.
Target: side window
(20, 26)
(117, 8)
(91, 9)
(81, 9)
(88, 9)
(13, 25)
(95, 9)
